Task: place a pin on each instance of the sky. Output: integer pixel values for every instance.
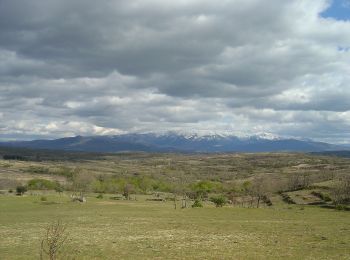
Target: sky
(241, 67)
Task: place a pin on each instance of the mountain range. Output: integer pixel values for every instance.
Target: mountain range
(175, 142)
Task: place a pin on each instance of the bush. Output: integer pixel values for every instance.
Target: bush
(322, 196)
(219, 201)
(43, 198)
(197, 204)
(203, 188)
(99, 196)
(267, 200)
(116, 198)
(20, 190)
(161, 186)
(41, 184)
(286, 198)
(341, 207)
(59, 188)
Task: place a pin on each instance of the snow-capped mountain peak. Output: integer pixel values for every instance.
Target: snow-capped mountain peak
(184, 142)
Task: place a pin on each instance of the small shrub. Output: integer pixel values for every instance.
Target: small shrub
(322, 196)
(219, 201)
(10, 191)
(20, 190)
(340, 207)
(59, 188)
(43, 198)
(54, 239)
(99, 196)
(197, 204)
(267, 200)
(327, 198)
(116, 198)
(286, 198)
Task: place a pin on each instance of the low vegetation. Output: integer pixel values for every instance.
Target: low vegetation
(54, 239)
(244, 205)
(219, 201)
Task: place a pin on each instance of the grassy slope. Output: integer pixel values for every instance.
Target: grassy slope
(105, 229)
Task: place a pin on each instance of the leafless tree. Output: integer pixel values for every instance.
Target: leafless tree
(54, 239)
(175, 199)
(81, 183)
(341, 191)
(128, 189)
(298, 180)
(259, 190)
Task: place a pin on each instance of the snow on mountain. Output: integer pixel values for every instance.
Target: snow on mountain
(178, 142)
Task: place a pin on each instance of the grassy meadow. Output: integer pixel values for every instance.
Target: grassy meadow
(294, 220)
(105, 229)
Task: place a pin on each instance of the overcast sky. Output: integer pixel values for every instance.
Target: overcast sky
(87, 67)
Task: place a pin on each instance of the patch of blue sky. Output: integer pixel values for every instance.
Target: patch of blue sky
(343, 49)
(339, 10)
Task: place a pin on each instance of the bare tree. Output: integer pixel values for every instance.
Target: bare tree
(298, 181)
(341, 191)
(184, 190)
(54, 238)
(305, 179)
(177, 190)
(81, 183)
(128, 189)
(259, 191)
(175, 199)
(293, 181)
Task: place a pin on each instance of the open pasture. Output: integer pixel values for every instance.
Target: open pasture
(109, 229)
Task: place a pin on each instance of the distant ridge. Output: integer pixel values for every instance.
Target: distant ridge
(173, 142)
(339, 153)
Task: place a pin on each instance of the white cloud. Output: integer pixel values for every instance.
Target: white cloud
(242, 66)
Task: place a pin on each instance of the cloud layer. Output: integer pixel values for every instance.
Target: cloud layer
(239, 66)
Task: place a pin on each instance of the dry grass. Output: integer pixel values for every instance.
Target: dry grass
(113, 229)
(101, 229)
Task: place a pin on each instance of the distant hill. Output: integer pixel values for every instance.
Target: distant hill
(173, 142)
(345, 154)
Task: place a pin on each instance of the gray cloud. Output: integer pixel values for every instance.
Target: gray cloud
(240, 66)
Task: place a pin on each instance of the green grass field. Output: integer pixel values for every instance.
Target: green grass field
(108, 229)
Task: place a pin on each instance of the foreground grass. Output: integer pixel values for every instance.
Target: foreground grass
(105, 229)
